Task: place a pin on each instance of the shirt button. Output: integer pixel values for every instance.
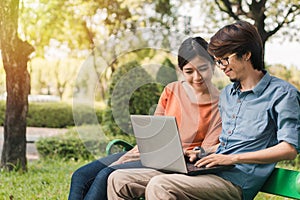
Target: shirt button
(229, 132)
(238, 101)
(222, 143)
(233, 116)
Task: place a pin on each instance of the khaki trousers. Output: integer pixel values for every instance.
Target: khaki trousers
(155, 185)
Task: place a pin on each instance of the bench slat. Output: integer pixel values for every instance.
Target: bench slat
(283, 182)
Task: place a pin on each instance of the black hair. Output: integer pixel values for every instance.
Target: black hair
(192, 47)
(240, 37)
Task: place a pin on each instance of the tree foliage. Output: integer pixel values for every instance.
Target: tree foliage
(79, 25)
(269, 16)
(79, 22)
(61, 20)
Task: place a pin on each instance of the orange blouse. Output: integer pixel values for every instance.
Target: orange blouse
(199, 124)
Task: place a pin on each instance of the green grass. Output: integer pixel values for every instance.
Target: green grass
(44, 180)
(263, 196)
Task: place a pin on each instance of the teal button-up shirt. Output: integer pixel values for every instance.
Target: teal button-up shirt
(255, 120)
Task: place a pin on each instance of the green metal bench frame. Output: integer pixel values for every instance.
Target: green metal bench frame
(282, 182)
(117, 142)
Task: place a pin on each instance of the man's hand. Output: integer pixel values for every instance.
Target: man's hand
(216, 159)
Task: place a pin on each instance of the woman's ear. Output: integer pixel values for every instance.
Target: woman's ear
(213, 67)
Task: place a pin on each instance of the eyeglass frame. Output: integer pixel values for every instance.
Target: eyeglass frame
(219, 62)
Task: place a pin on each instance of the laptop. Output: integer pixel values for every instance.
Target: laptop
(160, 146)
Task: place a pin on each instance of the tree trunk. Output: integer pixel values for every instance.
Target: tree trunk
(15, 55)
(17, 87)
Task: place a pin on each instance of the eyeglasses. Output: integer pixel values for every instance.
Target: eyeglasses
(224, 61)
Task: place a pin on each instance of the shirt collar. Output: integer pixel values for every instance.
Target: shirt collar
(262, 84)
(235, 88)
(258, 89)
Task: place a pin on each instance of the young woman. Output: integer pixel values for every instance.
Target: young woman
(194, 103)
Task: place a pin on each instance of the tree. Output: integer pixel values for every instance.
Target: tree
(2, 79)
(269, 16)
(15, 55)
(63, 75)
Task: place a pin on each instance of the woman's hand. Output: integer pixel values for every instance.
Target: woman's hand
(192, 155)
(132, 155)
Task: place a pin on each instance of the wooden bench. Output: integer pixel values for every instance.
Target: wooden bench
(282, 182)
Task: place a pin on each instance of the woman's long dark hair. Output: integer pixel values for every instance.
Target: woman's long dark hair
(192, 47)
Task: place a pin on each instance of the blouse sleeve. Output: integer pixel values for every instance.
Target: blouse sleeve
(215, 129)
(161, 106)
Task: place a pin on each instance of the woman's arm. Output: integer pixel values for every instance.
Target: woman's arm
(131, 155)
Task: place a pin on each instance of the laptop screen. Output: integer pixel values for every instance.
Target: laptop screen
(159, 142)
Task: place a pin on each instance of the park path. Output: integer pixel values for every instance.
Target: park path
(32, 134)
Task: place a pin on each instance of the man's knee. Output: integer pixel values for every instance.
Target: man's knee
(114, 180)
(121, 185)
(158, 188)
(156, 180)
(162, 180)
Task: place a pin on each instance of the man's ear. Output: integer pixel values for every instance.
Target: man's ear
(247, 56)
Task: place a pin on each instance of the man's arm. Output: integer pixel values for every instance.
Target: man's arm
(279, 152)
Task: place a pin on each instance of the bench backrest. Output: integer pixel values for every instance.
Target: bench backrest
(283, 182)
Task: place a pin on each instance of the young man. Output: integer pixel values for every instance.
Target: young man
(260, 126)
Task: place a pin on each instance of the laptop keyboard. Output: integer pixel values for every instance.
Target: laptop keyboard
(191, 167)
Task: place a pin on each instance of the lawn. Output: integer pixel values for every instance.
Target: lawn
(44, 180)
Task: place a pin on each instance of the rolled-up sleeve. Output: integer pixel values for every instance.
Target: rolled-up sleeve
(288, 119)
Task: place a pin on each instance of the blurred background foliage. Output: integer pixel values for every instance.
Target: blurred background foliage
(66, 34)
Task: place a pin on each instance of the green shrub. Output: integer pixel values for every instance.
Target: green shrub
(2, 112)
(52, 115)
(56, 114)
(83, 114)
(294, 163)
(166, 73)
(132, 91)
(62, 148)
(80, 143)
